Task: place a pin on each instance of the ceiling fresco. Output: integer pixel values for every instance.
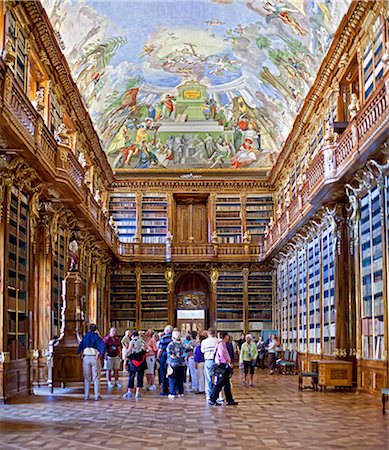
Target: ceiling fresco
(205, 84)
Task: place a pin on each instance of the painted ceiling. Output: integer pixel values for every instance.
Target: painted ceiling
(183, 84)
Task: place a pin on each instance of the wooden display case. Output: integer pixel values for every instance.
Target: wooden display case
(335, 373)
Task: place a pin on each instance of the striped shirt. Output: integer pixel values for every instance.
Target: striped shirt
(208, 347)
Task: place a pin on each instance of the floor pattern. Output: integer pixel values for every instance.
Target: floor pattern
(272, 415)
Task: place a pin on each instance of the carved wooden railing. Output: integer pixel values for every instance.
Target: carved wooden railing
(20, 106)
(182, 252)
(46, 145)
(371, 120)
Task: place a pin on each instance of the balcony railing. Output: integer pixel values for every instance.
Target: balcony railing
(192, 251)
(371, 120)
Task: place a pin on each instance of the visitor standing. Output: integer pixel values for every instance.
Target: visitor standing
(271, 354)
(223, 367)
(136, 355)
(208, 347)
(112, 344)
(261, 352)
(151, 353)
(176, 365)
(249, 353)
(165, 340)
(125, 343)
(199, 364)
(92, 350)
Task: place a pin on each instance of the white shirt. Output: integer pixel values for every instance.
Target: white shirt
(90, 351)
(271, 348)
(208, 347)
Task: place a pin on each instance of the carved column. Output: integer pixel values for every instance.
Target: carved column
(169, 277)
(337, 216)
(214, 276)
(211, 215)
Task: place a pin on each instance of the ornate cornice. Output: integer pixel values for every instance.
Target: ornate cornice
(194, 185)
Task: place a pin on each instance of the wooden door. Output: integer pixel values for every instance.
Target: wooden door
(191, 220)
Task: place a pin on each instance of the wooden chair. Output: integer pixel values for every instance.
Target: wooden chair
(288, 365)
(313, 374)
(285, 357)
(385, 398)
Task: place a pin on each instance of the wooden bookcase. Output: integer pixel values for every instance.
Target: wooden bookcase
(59, 273)
(259, 210)
(371, 252)
(123, 301)
(154, 218)
(260, 301)
(18, 249)
(122, 208)
(229, 219)
(154, 301)
(229, 303)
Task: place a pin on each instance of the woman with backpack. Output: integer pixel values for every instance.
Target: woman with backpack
(136, 356)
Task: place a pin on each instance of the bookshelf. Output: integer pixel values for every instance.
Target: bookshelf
(229, 303)
(154, 301)
(154, 218)
(260, 301)
(328, 291)
(123, 301)
(122, 208)
(59, 273)
(302, 299)
(259, 210)
(292, 313)
(314, 295)
(229, 219)
(284, 304)
(372, 276)
(17, 307)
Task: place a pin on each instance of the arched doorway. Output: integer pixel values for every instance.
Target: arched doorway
(191, 302)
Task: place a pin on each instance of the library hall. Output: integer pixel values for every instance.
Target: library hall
(194, 224)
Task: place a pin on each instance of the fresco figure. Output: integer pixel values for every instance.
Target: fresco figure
(178, 149)
(200, 154)
(222, 154)
(252, 134)
(245, 156)
(146, 156)
(209, 145)
(165, 107)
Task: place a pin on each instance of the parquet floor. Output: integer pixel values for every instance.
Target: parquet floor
(272, 415)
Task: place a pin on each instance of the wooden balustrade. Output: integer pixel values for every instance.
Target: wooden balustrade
(76, 172)
(371, 120)
(374, 113)
(294, 209)
(345, 148)
(315, 173)
(46, 146)
(21, 107)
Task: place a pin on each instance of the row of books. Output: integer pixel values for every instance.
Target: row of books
(154, 230)
(154, 239)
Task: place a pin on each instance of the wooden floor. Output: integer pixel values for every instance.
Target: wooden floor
(272, 415)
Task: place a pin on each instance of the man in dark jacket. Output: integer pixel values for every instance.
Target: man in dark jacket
(92, 350)
(162, 357)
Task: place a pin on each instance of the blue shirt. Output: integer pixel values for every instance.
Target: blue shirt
(92, 339)
(164, 342)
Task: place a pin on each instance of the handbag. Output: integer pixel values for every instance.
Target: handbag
(219, 370)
